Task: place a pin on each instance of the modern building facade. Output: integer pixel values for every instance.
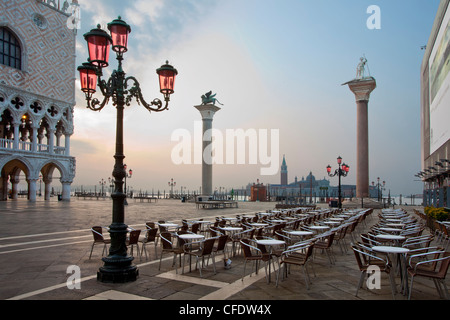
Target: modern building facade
(435, 112)
(37, 96)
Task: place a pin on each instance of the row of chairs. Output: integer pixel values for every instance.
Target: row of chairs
(423, 259)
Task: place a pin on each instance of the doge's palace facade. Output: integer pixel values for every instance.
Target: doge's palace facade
(37, 96)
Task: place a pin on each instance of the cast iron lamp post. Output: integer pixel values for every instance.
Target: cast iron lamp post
(171, 185)
(128, 174)
(379, 187)
(117, 265)
(342, 171)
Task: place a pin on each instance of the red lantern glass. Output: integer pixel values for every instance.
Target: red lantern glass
(119, 33)
(329, 169)
(98, 45)
(339, 160)
(167, 75)
(88, 78)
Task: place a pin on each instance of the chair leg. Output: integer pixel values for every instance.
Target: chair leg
(160, 260)
(243, 274)
(305, 275)
(410, 287)
(361, 278)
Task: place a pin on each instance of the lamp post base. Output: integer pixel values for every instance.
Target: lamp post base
(117, 270)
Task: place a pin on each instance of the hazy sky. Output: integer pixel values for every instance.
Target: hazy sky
(276, 66)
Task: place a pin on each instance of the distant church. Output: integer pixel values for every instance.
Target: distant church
(37, 96)
(309, 188)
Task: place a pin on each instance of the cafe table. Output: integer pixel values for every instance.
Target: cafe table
(400, 253)
(393, 237)
(189, 238)
(270, 243)
(299, 233)
(318, 229)
(169, 225)
(390, 229)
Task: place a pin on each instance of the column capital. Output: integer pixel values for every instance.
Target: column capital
(207, 111)
(362, 88)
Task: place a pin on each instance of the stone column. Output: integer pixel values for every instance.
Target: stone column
(16, 125)
(65, 190)
(362, 88)
(14, 190)
(207, 111)
(47, 188)
(32, 188)
(67, 144)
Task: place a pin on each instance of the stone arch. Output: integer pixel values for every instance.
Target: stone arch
(10, 169)
(47, 169)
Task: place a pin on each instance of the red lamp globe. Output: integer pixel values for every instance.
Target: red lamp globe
(328, 168)
(339, 160)
(167, 75)
(88, 78)
(98, 45)
(119, 33)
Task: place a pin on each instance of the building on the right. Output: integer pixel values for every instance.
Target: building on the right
(435, 112)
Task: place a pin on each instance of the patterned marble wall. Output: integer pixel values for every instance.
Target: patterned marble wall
(48, 58)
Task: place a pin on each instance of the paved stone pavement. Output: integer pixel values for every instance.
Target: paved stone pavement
(40, 241)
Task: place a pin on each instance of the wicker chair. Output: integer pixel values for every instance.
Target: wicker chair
(99, 239)
(253, 254)
(435, 268)
(168, 246)
(297, 255)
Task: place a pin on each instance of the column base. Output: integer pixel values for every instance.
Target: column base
(117, 270)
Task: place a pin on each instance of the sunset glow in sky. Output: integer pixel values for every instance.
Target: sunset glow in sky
(275, 65)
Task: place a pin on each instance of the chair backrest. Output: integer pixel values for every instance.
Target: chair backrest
(151, 234)
(150, 224)
(166, 238)
(222, 242)
(246, 249)
(208, 245)
(444, 265)
(134, 236)
(97, 233)
(195, 227)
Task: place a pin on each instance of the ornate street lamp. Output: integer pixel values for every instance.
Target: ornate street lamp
(379, 187)
(121, 90)
(171, 185)
(128, 174)
(342, 171)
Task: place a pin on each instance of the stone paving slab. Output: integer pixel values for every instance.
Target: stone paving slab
(40, 274)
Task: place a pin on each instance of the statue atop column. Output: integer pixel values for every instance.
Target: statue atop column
(360, 69)
(209, 98)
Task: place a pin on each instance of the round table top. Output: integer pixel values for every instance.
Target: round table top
(300, 233)
(191, 236)
(395, 224)
(257, 224)
(389, 237)
(277, 220)
(391, 229)
(168, 224)
(231, 228)
(387, 249)
(318, 227)
(270, 242)
(200, 221)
